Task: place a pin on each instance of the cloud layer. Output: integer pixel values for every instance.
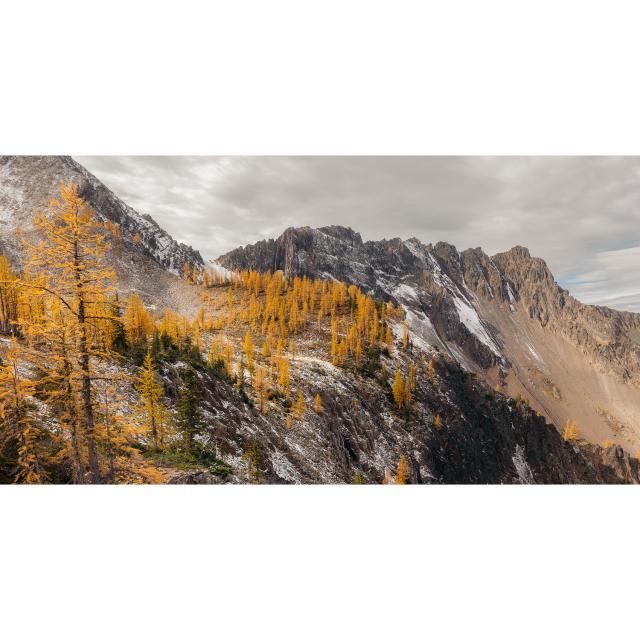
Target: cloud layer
(581, 214)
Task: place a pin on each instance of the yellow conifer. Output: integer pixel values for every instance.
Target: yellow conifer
(402, 473)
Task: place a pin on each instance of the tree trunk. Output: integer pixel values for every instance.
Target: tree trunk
(85, 374)
(112, 468)
(154, 430)
(87, 407)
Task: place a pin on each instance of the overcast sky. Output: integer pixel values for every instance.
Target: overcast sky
(581, 214)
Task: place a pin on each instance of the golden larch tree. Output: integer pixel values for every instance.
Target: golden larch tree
(431, 371)
(571, 431)
(150, 412)
(405, 335)
(247, 349)
(9, 294)
(398, 390)
(69, 266)
(283, 376)
(388, 339)
(402, 473)
(300, 406)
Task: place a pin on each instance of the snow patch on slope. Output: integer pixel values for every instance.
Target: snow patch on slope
(469, 317)
(534, 353)
(404, 292)
(522, 466)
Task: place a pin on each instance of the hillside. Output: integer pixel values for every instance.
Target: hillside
(503, 317)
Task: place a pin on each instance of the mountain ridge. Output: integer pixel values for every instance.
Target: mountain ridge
(493, 314)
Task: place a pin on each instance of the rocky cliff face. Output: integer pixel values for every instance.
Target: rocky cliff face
(502, 316)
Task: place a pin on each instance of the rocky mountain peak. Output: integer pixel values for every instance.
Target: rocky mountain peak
(344, 234)
(519, 252)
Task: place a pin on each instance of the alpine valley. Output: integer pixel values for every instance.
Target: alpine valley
(313, 357)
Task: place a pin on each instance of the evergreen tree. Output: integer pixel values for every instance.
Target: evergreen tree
(119, 335)
(156, 345)
(188, 419)
(251, 456)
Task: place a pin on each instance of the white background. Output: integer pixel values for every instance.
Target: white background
(297, 77)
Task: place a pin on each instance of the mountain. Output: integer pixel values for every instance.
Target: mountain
(473, 322)
(503, 317)
(146, 257)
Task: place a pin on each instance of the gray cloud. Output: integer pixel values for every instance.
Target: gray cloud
(581, 214)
